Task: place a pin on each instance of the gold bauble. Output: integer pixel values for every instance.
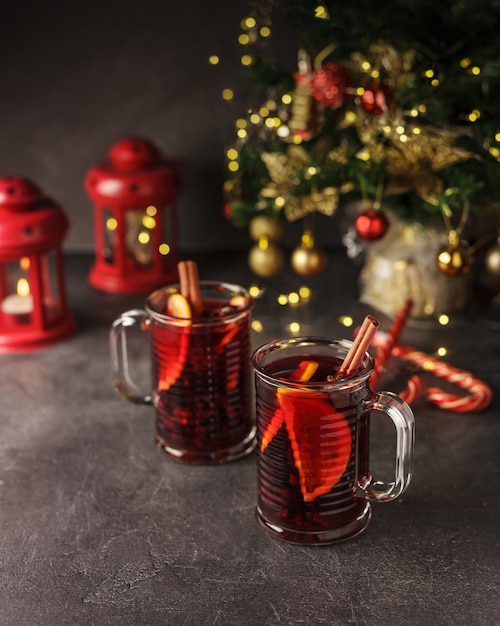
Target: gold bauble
(266, 226)
(492, 260)
(454, 259)
(308, 260)
(266, 261)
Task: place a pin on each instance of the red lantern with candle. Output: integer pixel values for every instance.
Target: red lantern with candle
(33, 312)
(135, 193)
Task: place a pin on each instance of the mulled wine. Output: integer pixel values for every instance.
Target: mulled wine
(202, 374)
(313, 478)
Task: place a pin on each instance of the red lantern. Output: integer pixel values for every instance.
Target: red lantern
(33, 311)
(135, 196)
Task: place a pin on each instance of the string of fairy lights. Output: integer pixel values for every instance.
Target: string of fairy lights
(302, 296)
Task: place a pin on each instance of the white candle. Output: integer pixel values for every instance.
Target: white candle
(17, 305)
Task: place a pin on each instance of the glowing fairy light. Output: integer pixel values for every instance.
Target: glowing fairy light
(244, 39)
(144, 237)
(346, 320)
(305, 292)
(111, 223)
(286, 98)
(227, 94)
(257, 326)
(264, 111)
(164, 249)
(232, 154)
(283, 299)
(429, 73)
(321, 12)
(213, 59)
(233, 166)
(294, 327)
(148, 222)
(255, 118)
(364, 155)
(151, 210)
(246, 60)
(441, 351)
(242, 133)
(248, 23)
(265, 32)
(443, 319)
(475, 70)
(293, 297)
(241, 123)
(464, 63)
(255, 291)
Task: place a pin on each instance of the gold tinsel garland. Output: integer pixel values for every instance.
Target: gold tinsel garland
(284, 168)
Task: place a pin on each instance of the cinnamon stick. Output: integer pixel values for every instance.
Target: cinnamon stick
(182, 269)
(359, 347)
(189, 283)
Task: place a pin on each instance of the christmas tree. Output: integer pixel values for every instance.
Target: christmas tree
(393, 105)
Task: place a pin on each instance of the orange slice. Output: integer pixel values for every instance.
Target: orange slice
(177, 306)
(321, 442)
(238, 301)
(320, 455)
(302, 373)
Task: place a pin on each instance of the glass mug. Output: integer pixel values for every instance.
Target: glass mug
(201, 373)
(313, 474)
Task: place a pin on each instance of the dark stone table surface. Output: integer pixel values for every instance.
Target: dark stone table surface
(97, 527)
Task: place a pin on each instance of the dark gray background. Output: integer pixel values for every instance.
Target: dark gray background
(78, 76)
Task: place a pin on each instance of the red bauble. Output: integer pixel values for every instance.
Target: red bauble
(371, 224)
(330, 84)
(228, 210)
(376, 99)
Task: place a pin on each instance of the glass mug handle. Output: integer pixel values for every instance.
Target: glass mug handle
(404, 421)
(119, 356)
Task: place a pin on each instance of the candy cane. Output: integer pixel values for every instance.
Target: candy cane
(480, 394)
(413, 389)
(392, 337)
